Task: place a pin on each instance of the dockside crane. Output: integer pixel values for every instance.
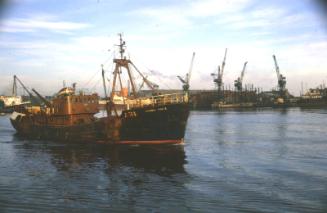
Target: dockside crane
(238, 83)
(186, 80)
(281, 80)
(219, 79)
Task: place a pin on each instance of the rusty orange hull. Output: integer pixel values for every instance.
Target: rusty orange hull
(81, 132)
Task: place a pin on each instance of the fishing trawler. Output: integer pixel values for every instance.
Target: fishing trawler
(156, 119)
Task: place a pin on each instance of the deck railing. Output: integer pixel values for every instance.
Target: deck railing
(158, 100)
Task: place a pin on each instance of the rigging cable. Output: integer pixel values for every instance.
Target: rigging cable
(97, 72)
(151, 72)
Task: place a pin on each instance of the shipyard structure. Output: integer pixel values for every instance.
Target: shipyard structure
(242, 95)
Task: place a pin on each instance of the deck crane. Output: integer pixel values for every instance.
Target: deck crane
(219, 79)
(186, 80)
(43, 99)
(14, 87)
(238, 83)
(16, 79)
(149, 83)
(281, 80)
(104, 82)
(142, 84)
(21, 83)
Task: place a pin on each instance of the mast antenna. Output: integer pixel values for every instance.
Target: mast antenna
(121, 46)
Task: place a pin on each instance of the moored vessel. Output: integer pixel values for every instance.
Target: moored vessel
(8, 103)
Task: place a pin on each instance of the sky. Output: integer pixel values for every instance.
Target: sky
(47, 42)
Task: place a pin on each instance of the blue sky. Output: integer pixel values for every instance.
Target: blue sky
(46, 42)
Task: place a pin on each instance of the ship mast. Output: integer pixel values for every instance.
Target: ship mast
(121, 46)
(120, 63)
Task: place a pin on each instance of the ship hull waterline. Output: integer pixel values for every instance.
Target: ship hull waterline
(147, 125)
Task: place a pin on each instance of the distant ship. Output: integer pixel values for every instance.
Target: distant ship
(8, 103)
(313, 98)
(156, 119)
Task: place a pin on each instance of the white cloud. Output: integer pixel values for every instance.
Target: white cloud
(266, 18)
(40, 22)
(205, 8)
(182, 15)
(320, 44)
(271, 12)
(74, 60)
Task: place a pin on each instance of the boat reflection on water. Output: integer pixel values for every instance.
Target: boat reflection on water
(159, 159)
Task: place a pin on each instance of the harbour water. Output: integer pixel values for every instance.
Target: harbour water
(232, 161)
